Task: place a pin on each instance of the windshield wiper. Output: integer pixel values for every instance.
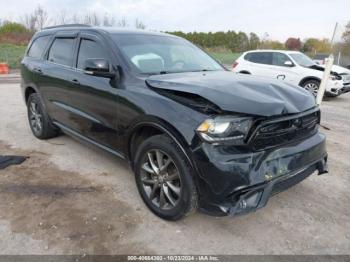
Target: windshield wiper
(156, 73)
(176, 72)
(203, 70)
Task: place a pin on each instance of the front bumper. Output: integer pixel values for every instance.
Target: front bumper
(334, 87)
(256, 197)
(236, 181)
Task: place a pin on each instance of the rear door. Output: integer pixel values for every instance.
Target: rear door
(31, 63)
(54, 76)
(259, 63)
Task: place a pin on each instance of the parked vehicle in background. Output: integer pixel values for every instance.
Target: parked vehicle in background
(345, 75)
(195, 135)
(290, 66)
(320, 59)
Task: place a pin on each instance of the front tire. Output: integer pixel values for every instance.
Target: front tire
(164, 178)
(312, 86)
(39, 121)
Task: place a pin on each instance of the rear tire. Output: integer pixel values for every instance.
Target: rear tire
(164, 178)
(39, 121)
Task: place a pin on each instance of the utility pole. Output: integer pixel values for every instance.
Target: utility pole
(335, 30)
(339, 56)
(327, 72)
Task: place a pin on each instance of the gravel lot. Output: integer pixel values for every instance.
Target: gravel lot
(69, 198)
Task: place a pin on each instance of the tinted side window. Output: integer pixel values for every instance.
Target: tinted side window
(89, 49)
(37, 48)
(279, 59)
(61, 51)
(259, 58)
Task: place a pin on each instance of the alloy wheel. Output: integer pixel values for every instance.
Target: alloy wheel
(161, 179)
(312, 88)
(35, 117)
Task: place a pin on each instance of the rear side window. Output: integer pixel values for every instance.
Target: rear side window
(61, 51)
(259, 58)
(38, 46)
(89, 49)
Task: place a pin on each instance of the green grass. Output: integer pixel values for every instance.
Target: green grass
(225, 57)
(11, 54)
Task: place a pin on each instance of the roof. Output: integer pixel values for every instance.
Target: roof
(273, 50)
(118, 30)
(111, 30)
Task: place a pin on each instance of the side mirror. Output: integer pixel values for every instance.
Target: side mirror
(288, 63)
(98, 67)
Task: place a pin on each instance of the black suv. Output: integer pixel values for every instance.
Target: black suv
(195, 134)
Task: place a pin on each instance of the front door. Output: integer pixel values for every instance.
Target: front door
(93, 99)
(283, 68)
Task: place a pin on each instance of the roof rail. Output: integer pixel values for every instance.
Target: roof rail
(67, 25)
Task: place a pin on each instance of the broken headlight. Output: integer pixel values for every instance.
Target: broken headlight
(225, 129)
(335, 77)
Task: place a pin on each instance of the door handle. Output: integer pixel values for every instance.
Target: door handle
(38, 70)
(75, 81)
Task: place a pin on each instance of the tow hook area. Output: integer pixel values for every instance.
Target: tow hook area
(247, 203)
(336, 91)
(322, 167)
(258, 197)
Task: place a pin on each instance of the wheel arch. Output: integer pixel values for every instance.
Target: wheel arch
(149, 127)
(31, 89)
(308, 78)
(28, 91)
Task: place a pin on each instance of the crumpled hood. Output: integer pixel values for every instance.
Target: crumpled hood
(340, 70)
(238, 93)
(335, 69)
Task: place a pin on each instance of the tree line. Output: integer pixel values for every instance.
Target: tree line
(39, 18)
(21, 31)
(231, 40)
(239, 42)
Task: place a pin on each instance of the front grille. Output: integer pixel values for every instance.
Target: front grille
(292, 181)
(285, 130)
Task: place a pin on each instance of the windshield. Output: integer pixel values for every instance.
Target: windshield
(152, 54)
(302, 59)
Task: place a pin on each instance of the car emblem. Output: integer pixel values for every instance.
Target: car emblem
(297, 122)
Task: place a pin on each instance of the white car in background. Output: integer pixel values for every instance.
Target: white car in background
(290, 66)
(345, 75)
(320, 59)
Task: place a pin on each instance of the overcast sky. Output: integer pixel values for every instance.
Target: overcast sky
(279, 18)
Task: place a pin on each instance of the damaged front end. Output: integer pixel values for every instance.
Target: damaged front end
(279, 153)
(257, 138)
